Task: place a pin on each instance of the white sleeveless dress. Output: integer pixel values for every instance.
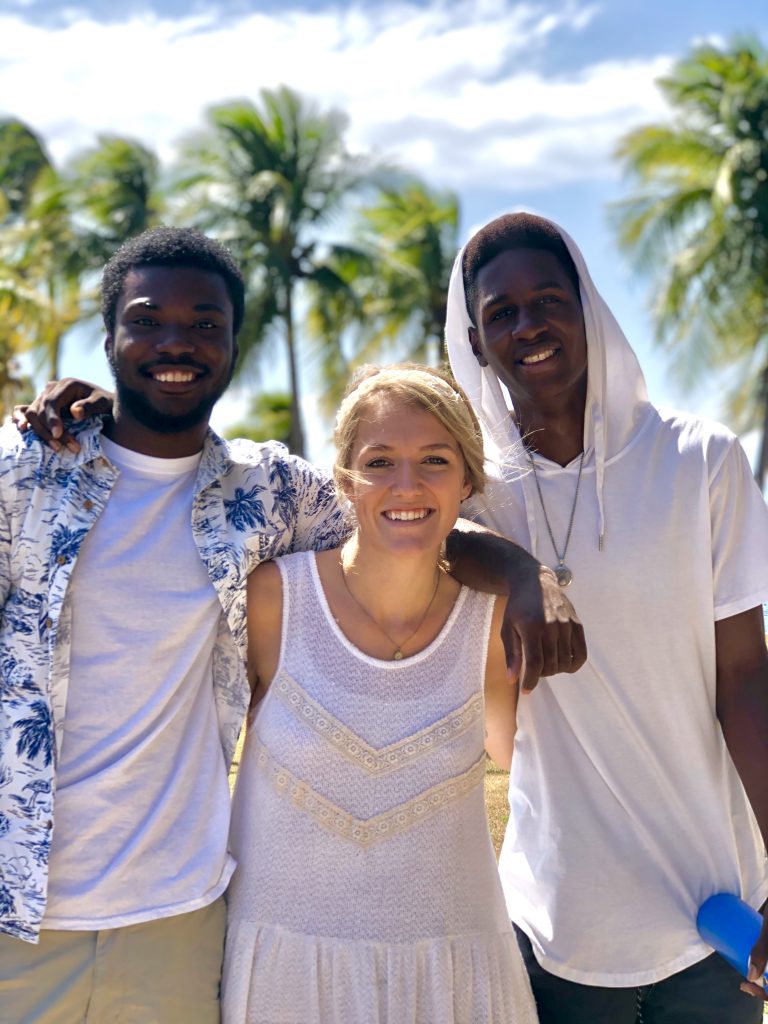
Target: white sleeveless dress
(366, 890)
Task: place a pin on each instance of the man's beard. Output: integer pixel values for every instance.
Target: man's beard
(136, 405)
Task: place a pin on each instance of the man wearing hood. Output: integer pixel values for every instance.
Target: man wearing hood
(642, 788)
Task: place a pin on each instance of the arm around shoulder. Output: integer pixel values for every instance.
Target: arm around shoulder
(320, 520)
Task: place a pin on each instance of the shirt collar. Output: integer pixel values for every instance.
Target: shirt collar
(215, 461)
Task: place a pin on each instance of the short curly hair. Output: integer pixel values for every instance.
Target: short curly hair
(511, 231)
(171, 247)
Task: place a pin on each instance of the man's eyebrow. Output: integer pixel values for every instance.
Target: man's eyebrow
(209, 307)
(542, 286)
(200, 307)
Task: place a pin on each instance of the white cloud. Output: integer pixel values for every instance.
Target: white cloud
(454, 89)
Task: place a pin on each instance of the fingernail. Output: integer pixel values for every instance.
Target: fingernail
(55, 444)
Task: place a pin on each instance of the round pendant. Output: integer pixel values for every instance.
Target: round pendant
(398, 655)
(564, 575)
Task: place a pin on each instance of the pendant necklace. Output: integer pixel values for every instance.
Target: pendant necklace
(398, 652)
(562, 572)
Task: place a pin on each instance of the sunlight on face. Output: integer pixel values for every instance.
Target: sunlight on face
(409, 477)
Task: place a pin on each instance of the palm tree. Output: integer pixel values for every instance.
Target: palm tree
(699, 221)
(114, 188)
(268, 419)
(268, 180)
(41, 255)
(22, 159)
(398, 280)
(58, 227)
(414, 232)
(23, 310)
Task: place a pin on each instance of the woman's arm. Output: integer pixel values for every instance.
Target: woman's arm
(501, 692)
(265, 620)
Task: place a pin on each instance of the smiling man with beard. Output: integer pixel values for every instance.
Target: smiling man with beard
(123, 561)
(122, 568)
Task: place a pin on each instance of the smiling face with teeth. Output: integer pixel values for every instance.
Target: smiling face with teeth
(530, 330)
(408, 477)
(172, 354)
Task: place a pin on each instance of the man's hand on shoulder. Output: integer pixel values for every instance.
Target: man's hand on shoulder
(61, 399)
(541, 632)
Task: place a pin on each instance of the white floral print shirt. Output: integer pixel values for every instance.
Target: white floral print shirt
(253, 502)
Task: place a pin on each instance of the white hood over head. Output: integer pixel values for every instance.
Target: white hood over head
(617, 401)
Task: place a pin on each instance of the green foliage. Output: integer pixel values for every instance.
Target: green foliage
(22, 159)
(269, 179)
(395, 302)
(59, 226)
(698, 222)
(269, 419)
(274, 180)
(113, 189)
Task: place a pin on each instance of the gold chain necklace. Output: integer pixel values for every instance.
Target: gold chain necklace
(398, 652)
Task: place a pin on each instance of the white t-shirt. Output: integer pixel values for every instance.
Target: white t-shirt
(626, 811)
(142, 800)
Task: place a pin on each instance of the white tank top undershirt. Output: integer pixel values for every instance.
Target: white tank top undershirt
(142, 800)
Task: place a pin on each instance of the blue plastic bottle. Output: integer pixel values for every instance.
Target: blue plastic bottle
(731, 927)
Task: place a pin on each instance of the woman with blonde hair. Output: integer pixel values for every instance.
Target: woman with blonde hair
(367, 890)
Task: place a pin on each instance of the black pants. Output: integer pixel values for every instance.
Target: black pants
(706, 993)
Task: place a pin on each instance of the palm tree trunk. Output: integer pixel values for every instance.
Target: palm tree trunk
(297, 427)
(762, 460)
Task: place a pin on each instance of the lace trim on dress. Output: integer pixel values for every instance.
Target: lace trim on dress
(375, 760)
(366, 831)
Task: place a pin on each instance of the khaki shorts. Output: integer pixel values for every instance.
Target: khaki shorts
(161, 972)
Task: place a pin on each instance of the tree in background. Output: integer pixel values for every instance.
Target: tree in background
(57, 228)
(268, 180)
(114, 188)
(22, 159)
(268, 419)
(698, 221)
(39, 253)
(398, 281)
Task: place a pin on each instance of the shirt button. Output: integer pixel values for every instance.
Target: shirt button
(61, 560)
(48, 622)
(49, 823)
(88, 504)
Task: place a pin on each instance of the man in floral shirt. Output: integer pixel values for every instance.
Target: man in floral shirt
(122, 643)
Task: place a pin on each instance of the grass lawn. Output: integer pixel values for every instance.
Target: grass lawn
(496, 784)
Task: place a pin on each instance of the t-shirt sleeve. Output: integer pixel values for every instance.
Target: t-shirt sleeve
(321, 520)
(739, 518)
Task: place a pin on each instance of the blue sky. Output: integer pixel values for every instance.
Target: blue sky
(513, 105)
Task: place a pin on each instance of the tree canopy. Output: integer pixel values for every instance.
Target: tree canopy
(697, 222)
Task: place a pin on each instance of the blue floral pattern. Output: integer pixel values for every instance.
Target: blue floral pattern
(253, 502)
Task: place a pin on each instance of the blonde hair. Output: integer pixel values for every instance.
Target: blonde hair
(432, 390)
